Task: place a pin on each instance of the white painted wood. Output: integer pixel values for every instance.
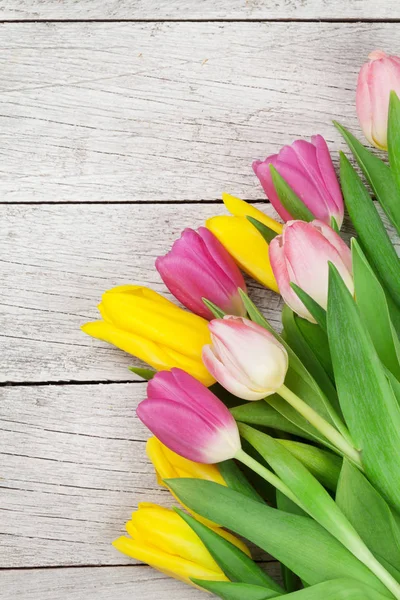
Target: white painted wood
(118, 583)
(198, 9)
(169, 111)
(57, 260)
(73, 467)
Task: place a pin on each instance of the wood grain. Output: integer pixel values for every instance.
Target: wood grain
(193, 9)
(118, 583)
(73, 469)
(57, 260)
(169, 111)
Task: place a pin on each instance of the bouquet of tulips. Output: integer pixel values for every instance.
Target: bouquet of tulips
(289, 440)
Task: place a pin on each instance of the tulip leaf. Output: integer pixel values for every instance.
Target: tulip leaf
(267, 233)
(290, 579)
(299, 542)
(262, 414)
(236, 591)
(368, 403)
(324, 465)
(216, 311)
(146, 374)
(317, 339)
(306, 353)
(236, 565)
(298, 379)
(372, 233)
(378, 174)
(311, 495)
(394, 141)
(371, 301)
(236, 480)
(334, 225)
(289, 199)
(369, 513)
(313, 307)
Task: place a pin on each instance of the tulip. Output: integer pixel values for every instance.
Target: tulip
(197, 267)
(376, 80)
(307, 167)
(242, 240)
(189, 419)
(169, 465)
(245, 358)
(147, 325)
(301, 256)
(162, 539)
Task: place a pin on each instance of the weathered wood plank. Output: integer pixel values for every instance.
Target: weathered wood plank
(57, 260)
(192, 9)
(161, 111)
(118, 583)
(73, 467)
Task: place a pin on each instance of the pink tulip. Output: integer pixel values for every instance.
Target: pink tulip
(197, 267)
(301, 255)
(189, 419)
(245, 358)
(307, 167)
(376, 80)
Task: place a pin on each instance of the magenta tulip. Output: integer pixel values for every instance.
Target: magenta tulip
(245, 358)
(197, 267)
(376, 80)
(189, 419)
(307, 167)
(301, 255)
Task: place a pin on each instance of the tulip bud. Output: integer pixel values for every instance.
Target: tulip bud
(307, 167)
(189, 419)
(162, 539)
(147, 325)
(197, 267)
(301, 256)
(245, 358)
(376, 80)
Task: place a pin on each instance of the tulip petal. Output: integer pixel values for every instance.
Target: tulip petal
(189, 433)
(246, 246)
(240, 208)
(262, 170)
(329, 177)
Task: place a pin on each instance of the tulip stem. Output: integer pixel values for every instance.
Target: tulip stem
(266, 474)
(321, 425)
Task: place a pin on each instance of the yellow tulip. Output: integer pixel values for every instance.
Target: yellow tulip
(147, 325)
(162, 539)
(169, 465)
(243, 241)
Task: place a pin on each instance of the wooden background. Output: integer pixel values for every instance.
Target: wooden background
(121, 122)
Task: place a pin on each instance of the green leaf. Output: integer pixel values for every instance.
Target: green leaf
(394, 140)
(216, 311)
(299, 542)
(369, 513)
(372, 233)
(311, 360)
(236, 591)
(146, 374)
(313, 307)
(264, 415)
(378, 174)
(371, 301)
(236, 480)
(290, 579)
(324, 465)
(289, 199)
(267, 233)
(334, 225)
(317, 339)
(311, 495)
(367, 400)
(236, 565)
(338, 589)
(300, 381)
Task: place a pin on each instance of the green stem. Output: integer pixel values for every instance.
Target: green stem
(266, 474)
(321, 425)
